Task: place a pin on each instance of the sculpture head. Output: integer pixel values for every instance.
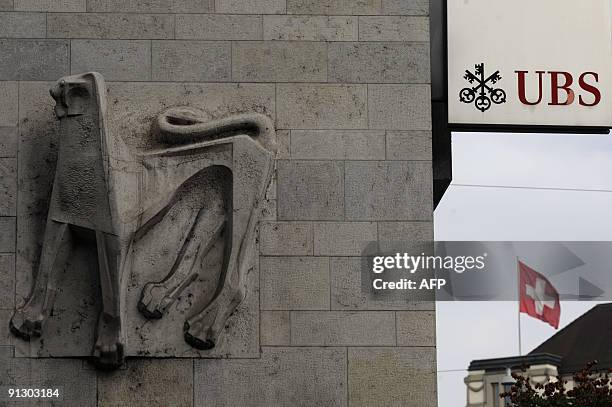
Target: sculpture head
(74, 94)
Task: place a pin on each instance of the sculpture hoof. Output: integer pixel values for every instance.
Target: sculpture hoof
(152, 306)
(148, 314)
(199, 344)
(111, 358)
(108, 351)
(25, 328)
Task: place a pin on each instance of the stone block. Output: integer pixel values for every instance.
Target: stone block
(285, 239)
(405, 231)
(274, 328)
(338, 144)
(297, 377)
(268, 210)
(380, 62)
(117, 60)
(110, 26)
(22, 25)
(393, 28)
(6, 338)
(406, 7)
(349, 292)
(294, 283)
(409, 145)
(77, 383)
(8, 186)
(8, 141)
(7, 234)
(251, 6)
(399, 107)
(218, 27)
(197, 61)
(33, 60)
(193, 6)
(283, 140)
(51, 5)
(322, 106)
(343, 238)
(332, 7)
(342, 328)
(151, 6)
(6, 5)
(9, 92)
(167, 382)
(310, 190)
(395, 190)
(416, 328)
(279, 61)
(310, 28)
(7, 284)
(392, 377)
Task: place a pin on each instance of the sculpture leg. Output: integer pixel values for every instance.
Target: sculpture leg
(250, 178)
(156, 297)
(202, 331)
(203, 199)
(108, 350)
(27, 321)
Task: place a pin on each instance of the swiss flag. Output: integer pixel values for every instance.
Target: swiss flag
(538, 297)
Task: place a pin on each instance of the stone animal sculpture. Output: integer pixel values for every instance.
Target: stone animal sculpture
(117, 194)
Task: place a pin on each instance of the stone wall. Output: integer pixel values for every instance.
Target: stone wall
(347, 82)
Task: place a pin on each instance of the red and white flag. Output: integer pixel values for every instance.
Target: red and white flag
(538, 297)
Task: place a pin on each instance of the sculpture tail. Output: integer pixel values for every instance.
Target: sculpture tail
(185, 125)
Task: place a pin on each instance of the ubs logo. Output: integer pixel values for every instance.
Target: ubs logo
(565, 88)
(483, 93)
(564, 91)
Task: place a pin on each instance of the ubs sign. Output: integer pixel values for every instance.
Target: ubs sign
(520, 62)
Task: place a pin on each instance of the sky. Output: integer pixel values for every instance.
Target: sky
(492, 211)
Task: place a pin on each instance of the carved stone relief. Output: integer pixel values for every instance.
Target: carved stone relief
(191, 198)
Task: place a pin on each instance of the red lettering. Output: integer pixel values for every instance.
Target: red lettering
(555, 87)
(522, 92)
(589, 88)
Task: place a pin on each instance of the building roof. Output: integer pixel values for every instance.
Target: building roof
(514, 362)
(586, 339)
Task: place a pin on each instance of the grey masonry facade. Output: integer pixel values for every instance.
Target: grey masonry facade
(347, 83)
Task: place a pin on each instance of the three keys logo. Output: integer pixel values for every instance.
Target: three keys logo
(483, 94)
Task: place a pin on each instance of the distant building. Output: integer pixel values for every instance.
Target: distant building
(586, 339)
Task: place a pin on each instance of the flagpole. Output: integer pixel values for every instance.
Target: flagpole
(518, 278)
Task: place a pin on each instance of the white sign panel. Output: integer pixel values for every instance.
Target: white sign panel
(530, 62)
